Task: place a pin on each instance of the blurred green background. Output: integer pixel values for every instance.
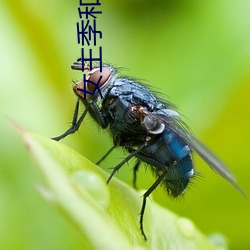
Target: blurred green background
(197, 53)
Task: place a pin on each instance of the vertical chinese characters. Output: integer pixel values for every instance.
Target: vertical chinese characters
(87, 35)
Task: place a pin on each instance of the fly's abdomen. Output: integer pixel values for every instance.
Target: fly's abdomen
(180, 166)
(178, 176)
(168, 154)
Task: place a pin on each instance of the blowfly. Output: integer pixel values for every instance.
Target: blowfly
(148, 127)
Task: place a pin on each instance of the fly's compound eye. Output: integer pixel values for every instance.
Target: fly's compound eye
(153, 126)
(97, 77)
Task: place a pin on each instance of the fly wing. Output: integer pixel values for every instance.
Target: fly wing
(207, 155)
(174, 123)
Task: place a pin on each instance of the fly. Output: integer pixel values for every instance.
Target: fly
(149, 128)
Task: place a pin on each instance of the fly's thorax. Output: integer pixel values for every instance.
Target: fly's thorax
(95, 82)
(154, 122)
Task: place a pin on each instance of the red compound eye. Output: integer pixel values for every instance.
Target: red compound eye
(94, 76)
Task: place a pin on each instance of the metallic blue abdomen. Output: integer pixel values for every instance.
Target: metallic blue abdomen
(169, 153)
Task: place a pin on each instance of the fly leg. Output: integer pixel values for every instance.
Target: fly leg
(98, 115)
(75, 124)
(105, 155)
(145, 196)
(91, 106)
(136, 167)
(125, 160)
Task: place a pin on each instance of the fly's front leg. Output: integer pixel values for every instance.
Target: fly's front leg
(90, 107)
(97, 114)
(75, 124)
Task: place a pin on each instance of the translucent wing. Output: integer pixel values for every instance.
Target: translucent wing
(172, 120)
(208, 156)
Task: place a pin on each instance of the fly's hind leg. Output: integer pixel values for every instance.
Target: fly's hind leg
(145, 196)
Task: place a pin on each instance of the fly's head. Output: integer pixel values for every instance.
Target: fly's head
(95, 83)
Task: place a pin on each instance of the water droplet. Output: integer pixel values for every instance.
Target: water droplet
(94, 185)
(187, 227)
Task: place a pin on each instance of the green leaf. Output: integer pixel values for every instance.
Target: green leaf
(106, 215)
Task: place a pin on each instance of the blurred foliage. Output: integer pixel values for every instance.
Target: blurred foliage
(102, 213)
(197, 53)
